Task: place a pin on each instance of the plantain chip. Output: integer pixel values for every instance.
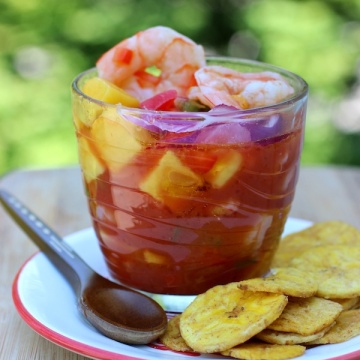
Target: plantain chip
(172, 337)
(336, 268)
(347, 326)
(335, 282)
(225, 316)
(320, 234)
(357, 305)
(261, 351)
(290, 338)
(333, 233)
(287, 281)
(348, 304)
(341, 256)
(307, 316)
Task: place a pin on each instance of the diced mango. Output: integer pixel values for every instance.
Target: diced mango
(91, 166)
(104, 90)
(222, 210)
(139, 133)
(171, 177)
(114, 143)
(228, 163)
(152, 257)
(85, 112)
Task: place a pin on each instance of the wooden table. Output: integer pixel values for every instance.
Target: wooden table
(56, 195)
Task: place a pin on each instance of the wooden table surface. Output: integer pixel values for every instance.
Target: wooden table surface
(56, 195)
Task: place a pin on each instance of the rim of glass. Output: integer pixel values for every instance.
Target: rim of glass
(261, 66)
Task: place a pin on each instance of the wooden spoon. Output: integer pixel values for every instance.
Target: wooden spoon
(118, 312)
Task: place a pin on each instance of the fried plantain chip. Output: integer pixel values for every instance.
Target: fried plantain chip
(320, 234)
(172, 337)
(226, 316)
(336, 268)
(287, 281)
(357, 305)
(289, 338)
(348, 304)
(347, 326)
(335, 282)
(261, 351)
(334, 233)
(307, 316)
(289, 247)
(341, 256)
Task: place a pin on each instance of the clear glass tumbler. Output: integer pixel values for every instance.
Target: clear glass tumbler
(184, 201)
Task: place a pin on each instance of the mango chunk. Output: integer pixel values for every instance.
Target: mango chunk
(138, 133)
(84, 111)
(227, 164)
(152, 257)
(90, 165)
(171, 178)
(114, 142)
(104, 90)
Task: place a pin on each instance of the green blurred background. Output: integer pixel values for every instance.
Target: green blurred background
(44, 44)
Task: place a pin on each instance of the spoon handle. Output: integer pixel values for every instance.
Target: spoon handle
(57, 251)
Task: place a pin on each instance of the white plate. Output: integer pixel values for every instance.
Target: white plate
(47, 304)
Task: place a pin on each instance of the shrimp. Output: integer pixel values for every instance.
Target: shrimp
(174, 56)
(218, 85)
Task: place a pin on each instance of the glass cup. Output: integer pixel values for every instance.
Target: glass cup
(184, 201)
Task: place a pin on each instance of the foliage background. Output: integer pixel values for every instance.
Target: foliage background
(45, 44)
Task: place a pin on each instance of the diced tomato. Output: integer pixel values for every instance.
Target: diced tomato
(123, 55)
(145, 79)
(163, 101)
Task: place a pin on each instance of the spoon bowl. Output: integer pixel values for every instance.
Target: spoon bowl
(118, 312)
(140, 318)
